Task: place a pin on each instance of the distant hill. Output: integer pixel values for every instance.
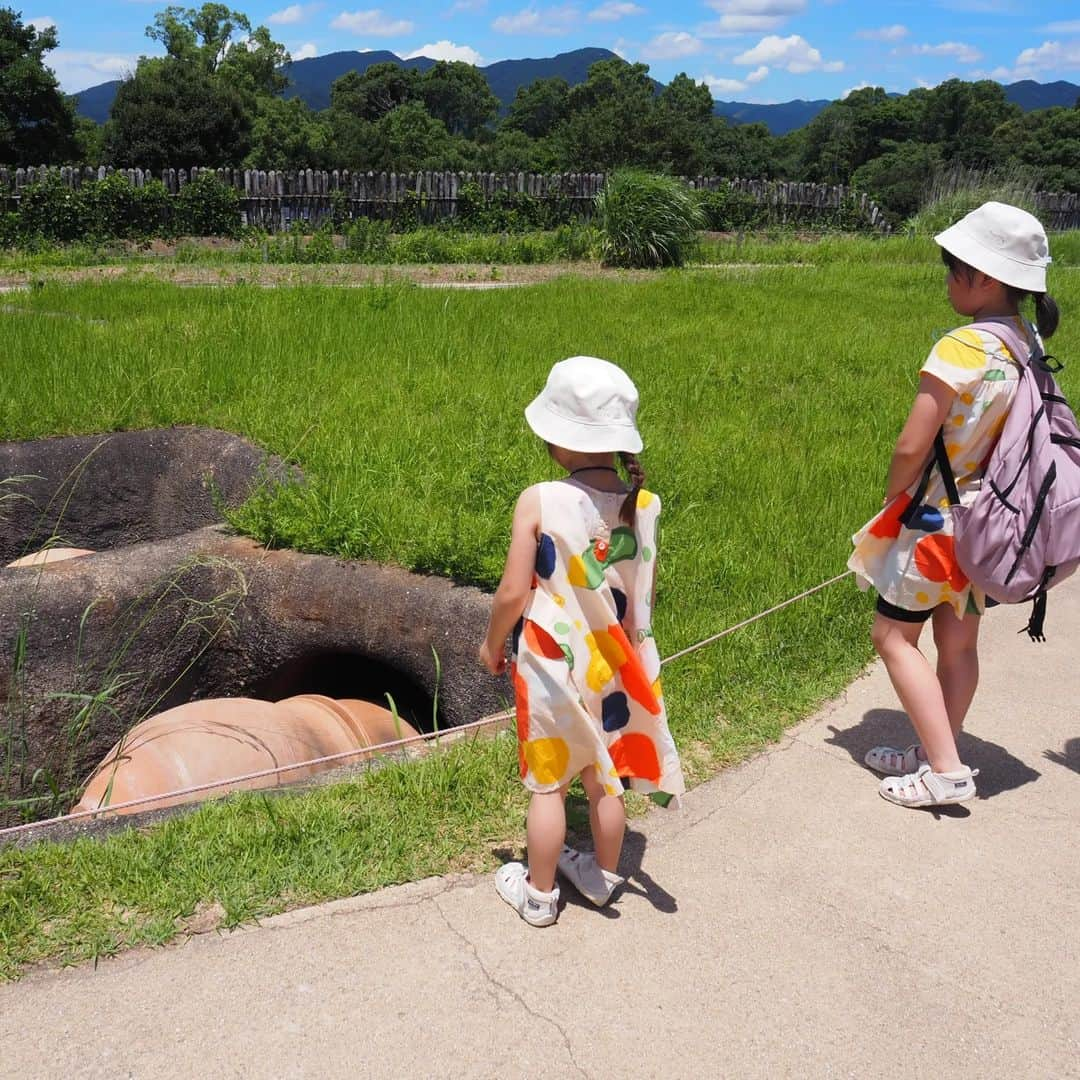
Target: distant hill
(311, 80)
(779, 119)
(97, 101)
(1032, 95)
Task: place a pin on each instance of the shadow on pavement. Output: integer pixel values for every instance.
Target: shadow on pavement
(999, 771)
(638, 881)
(1069, 755)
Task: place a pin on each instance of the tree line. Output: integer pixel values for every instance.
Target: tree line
(215, 98)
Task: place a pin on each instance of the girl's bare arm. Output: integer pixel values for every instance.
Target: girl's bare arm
(513, 591)
(913, 447)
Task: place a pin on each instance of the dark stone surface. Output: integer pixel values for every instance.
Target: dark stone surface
(102, 491)
(207, 614)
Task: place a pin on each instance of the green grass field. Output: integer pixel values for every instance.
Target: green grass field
(770, 398)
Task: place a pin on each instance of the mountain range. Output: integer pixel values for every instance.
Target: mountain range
(311, 80)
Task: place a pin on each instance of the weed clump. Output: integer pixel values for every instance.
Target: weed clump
(647, 221)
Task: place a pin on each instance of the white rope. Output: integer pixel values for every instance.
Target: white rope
(344, 755)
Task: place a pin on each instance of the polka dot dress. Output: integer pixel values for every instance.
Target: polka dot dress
(913, 566)
(585, 666)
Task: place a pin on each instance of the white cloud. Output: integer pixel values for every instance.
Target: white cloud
(734, 25)
(966, 54)
(672, 46)
(722, 86)
(622, 48)
(305, 52)
(1072, 27)
(294, 13)
(468, 6)
(535, 21)
(78, 69)
(851, 89)
(42, 22)
(794, 54)
(774, 8)
(371, 22)
(896, 32)
(1049, 56)
(757, 74)
(613, 10)
(447, 50)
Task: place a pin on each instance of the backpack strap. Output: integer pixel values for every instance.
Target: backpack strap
(1022, 353)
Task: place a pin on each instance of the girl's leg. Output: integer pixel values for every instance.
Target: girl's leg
(917, 686)
(607, 819)
(545, 830)
(957, 643)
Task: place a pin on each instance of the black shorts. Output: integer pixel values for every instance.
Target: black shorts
(891, 611)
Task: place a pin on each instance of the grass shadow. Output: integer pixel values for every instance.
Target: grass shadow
(999, 771)
(1069, 755)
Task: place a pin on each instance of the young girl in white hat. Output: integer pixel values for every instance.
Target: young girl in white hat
(577, 592)
(996, 257)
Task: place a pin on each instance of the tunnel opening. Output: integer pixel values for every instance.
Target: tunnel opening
(337, 674)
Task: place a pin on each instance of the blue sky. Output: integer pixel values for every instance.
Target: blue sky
(745, 50)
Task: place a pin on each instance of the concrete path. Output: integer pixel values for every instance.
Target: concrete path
(788, 923)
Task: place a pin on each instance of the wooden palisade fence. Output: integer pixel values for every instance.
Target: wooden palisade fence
(272, 199)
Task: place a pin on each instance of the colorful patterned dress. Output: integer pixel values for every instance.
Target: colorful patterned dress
(585, 667)
(913, 566)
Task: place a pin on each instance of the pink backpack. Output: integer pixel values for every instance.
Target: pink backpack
(1021, 535)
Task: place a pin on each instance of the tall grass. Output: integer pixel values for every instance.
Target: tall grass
(647, 220)
(957, 191)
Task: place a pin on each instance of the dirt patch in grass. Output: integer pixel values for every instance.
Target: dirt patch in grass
(274, 275)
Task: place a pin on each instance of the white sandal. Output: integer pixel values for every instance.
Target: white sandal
(928, 788)
(892, 762)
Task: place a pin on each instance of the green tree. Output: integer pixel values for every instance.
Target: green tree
(222, 42)
(682, 120)
(1046, 141)
(376, 92)
(409, 139)
(288, 135)
(174, 113)
(848, 133)
(962, 117)
(898, 178)
(538, 108)
(740, 150)
(37, 122)
(458, 94)
(610, 116)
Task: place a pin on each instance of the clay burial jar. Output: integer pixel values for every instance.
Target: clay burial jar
(216, 740)
(50, 555)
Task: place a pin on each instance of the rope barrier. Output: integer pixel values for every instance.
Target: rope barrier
(344, 755)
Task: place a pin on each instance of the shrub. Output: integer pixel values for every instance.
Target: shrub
(207, 207)
(49, 209)
(646, 220)
(729, 210)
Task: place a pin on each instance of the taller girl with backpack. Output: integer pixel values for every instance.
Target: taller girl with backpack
(996, 257)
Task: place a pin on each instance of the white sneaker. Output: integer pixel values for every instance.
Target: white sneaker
(587, 876)
(535, 907)
(924, 787)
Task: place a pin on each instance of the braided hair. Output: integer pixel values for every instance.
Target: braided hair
(628, 510)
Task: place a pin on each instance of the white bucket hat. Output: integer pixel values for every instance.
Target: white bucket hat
(588, 405)
(1003, 241)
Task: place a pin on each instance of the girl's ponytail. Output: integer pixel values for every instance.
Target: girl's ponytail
(1047, 315)
(628, 510)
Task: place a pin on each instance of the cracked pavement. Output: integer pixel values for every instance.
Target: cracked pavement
(786, 922)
